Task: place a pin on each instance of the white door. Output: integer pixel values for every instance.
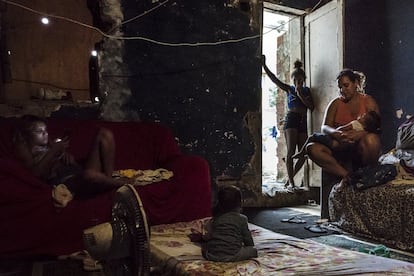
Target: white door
(324, 60)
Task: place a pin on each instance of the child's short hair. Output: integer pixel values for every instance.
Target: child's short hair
(373, 122)
(24, 126)
(228, 198)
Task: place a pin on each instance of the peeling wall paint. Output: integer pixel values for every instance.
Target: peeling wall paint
(203, 93)
(114, 91)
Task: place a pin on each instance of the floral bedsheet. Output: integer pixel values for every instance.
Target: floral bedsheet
(384, 213)
(172, 253)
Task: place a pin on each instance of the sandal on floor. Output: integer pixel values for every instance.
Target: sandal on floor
(315, 229)
(294, 219)
(294, 189)
(379, 250)
(321, 221)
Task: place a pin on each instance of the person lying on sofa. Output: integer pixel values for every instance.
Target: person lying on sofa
(49, 160)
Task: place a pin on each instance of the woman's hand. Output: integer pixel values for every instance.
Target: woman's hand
(350, 136)
(305, 99)
(339, 136)
(342, 137)
(355, 135)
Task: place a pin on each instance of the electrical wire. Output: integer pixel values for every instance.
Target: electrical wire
(53, 16)
(196, 44)
(316, 6)
(138, 16)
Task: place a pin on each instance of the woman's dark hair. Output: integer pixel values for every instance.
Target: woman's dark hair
(373, 122)
(229, 198)
(354, 76)
(297, 69)
(348, 73)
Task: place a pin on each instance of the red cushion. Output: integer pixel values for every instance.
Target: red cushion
(32, 226)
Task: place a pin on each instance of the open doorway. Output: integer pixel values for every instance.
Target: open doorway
(281, 44)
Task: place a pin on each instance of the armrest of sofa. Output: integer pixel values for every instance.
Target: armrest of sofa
(32, 226)
(186, 196)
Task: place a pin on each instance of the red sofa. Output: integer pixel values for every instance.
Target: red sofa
(31, 226)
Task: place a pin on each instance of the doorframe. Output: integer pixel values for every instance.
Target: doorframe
(323, 91)
(296, 48)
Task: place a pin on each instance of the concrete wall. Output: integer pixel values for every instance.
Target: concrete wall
(54, 56)
(208, 94)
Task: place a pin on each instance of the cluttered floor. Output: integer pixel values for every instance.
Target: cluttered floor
(304, 222)
(301, 222)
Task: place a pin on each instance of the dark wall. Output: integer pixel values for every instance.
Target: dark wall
(379, 41)
(201, 92)
(399, 19)
(366, 49)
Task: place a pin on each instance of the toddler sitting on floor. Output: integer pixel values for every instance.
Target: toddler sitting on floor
(227, 237)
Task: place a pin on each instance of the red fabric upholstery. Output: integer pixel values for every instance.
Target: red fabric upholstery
(32, 226)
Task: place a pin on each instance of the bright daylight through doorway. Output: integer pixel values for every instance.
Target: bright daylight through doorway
(273, 169)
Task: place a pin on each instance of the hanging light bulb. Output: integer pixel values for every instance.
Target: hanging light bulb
(45, 20)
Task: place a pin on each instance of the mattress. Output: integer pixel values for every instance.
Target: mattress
(172, 253)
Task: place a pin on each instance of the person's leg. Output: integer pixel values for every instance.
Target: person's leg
(101, 157)
(315, 137)
(328, 182)
(291, 135)
(324, 158)
(302, 138)
(302, 151)
(369, 149)
(100, 163)
(332, 172)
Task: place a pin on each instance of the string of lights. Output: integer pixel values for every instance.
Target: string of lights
(46, 16)
(196, 44)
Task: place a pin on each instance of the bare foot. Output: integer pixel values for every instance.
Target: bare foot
(289, 183)
(341, 185)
